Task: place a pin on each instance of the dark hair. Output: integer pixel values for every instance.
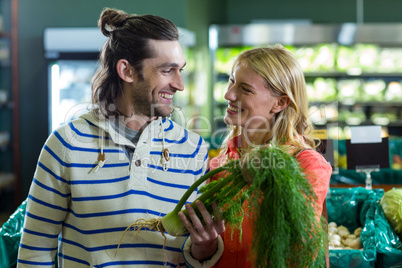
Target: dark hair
(128, 38)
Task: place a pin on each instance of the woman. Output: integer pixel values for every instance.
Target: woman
(267, 103)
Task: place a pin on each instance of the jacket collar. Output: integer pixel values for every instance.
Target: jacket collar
(105, 124)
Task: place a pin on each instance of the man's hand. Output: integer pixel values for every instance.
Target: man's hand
(204, 237)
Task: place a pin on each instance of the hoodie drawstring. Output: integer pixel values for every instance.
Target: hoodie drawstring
(101, 157)
(165, 151)
(164, 154)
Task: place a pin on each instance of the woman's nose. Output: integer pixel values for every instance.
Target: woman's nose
(230, 94)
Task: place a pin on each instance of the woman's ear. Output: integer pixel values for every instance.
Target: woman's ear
(281, 103)
(125, 71)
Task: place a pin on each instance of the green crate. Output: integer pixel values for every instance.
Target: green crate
(348, 207)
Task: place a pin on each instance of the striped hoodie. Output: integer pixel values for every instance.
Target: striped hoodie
(78, 210)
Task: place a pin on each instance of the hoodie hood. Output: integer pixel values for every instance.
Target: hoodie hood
(155, 132)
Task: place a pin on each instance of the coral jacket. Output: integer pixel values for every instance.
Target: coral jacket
(236, 253)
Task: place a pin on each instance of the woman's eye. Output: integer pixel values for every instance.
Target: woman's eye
(231, 80)
(246, 90)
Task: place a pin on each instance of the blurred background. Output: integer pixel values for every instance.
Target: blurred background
(350, 51)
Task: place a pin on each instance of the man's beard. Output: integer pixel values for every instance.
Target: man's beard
(145, 104)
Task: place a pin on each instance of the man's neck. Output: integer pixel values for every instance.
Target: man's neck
(131, 119)
(138, 122)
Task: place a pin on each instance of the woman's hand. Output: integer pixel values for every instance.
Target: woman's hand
(204, 237)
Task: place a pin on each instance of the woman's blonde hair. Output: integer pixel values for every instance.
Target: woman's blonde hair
(284, 77)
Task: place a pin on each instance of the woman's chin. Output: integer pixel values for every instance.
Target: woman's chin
(228, 121)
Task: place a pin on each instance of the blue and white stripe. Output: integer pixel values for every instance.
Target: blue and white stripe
(81, 215)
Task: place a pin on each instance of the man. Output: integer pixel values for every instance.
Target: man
(123, 161)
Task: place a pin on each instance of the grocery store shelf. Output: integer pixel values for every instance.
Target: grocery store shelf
(257, 34)
(340, 104)
(334, 74)
(345, 74)
(355, 65)
(360, 103)
(397, 123)
(342, 123)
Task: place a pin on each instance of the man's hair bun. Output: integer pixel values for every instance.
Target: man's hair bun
(111, 19)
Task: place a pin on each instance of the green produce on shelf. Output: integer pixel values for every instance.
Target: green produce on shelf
(190, 57)
(398, 59)
(305, 57)
(383, 118)
(290, 48)
(349, 90)
(324, 58)
(324, 89)
(354, 117)
(373, 90)
(368, 56)
(386, 61)
(316, 116)
(334, 133)
(393, 92)
(220, 90)
(323, 114)
(346, 58)
(390, 60)
(225, 58)
(357, 79)
(310, 91)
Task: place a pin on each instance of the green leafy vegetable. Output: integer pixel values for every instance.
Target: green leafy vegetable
(391, 203)
(286, 230)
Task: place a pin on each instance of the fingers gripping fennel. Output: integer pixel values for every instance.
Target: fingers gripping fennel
(285, 227)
